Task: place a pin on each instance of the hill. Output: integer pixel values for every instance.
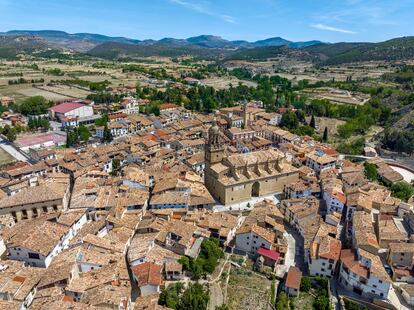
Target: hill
(81, 42)
(10, 47)
(113, 50)
(337, 53)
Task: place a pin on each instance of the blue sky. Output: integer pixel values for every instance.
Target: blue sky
(326, 20)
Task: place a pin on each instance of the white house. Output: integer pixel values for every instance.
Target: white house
(130, 105)
(319, 161)
(324, 256)
(40, 244)
(363, 273)
(335, 200)
(250, 238)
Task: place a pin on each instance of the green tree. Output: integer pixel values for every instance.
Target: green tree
(31, 123)
(371, 171)
(34, 106)
(195, 297)
(325, 135)
(402, 190)
(185, 261)
(282, 302)
(305, 284)
(11, 135)
(222, 307)
(170, 296)
(107, 135)
(102, 121)
(44, 123)
(289, 120)
(322, 301)
(312, 122)
(116, 164)
(84, 133)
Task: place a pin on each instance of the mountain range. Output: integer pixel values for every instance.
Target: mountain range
(83, 42)
(50, 43)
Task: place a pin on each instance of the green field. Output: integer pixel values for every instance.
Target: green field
(5, 158)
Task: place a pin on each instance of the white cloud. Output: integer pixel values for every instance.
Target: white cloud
(200, 8)
(334, 29)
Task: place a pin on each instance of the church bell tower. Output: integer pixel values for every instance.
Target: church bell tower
(214, 150)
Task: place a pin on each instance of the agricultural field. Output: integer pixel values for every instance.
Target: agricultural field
(5, 158)
(338, 96)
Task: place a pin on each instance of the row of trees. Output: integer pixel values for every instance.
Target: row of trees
(35, 123)
(36, 105)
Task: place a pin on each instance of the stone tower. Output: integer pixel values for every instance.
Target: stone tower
(245, 115)
(214, 150)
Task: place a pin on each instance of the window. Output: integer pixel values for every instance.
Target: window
(34, 256)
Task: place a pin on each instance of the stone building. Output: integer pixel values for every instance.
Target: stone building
(236, 178)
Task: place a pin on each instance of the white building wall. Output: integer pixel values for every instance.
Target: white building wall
(250, 242)
(321, 267)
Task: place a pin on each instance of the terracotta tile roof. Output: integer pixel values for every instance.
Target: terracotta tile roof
(293, 278)
(147, 274)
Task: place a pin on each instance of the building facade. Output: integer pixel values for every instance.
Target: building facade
(236, 178)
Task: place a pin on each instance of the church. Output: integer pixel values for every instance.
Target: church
(238, 178)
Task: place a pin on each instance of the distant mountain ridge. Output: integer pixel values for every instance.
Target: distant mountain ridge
(51, 43)
(83, 42)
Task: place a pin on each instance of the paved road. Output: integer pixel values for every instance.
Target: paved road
(6, 146)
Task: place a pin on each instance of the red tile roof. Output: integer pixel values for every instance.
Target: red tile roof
(66, 107)
(293, 278)
(272, 254)
(147, 274)
(166, 106)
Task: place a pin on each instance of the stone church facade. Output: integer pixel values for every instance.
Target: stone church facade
(237, 178)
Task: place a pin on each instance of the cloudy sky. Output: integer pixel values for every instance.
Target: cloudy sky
(326, 20)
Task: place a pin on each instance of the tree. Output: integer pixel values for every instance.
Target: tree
(305, 284)
(31, 123)
(102, 121)
(312, 122)
(107, 134)
(170, 296)
(289, 120)
(282, 302)
(36, 105)
(71, 137)
(222, 307)
(325, 135)
(402, 190)
(44, 123)
(322, 301)
(185, 261)
(195, 297)
(84, 133)
(371, 171)
(11, 135)
(116, 164)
